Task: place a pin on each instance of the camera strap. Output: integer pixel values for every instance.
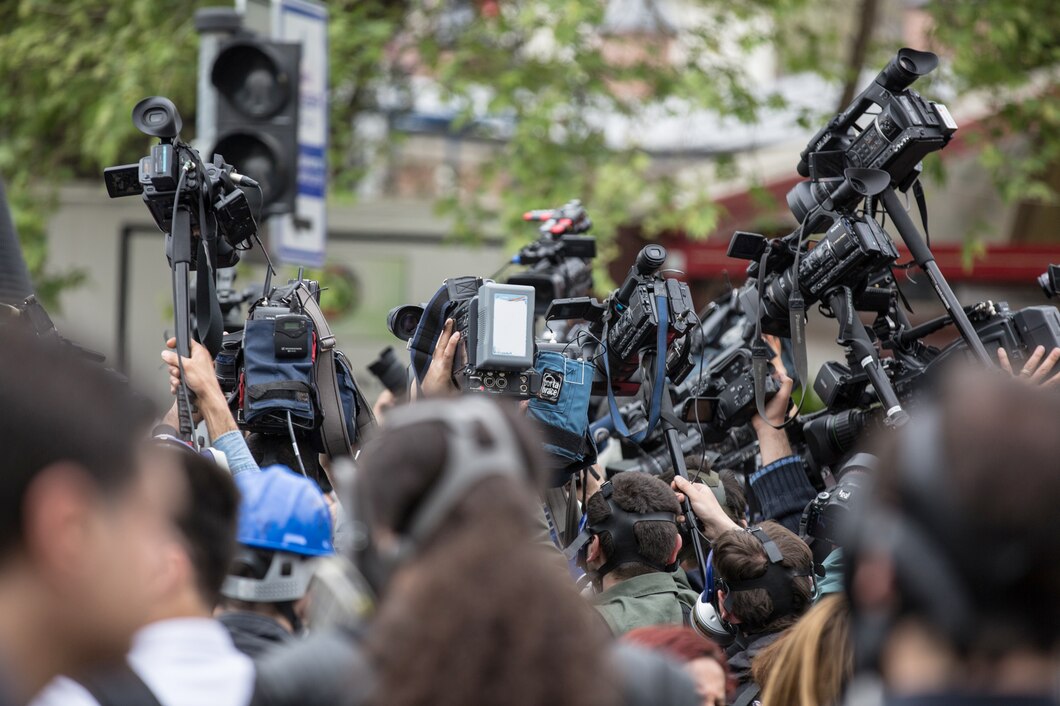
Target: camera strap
(208, 320)
(658, 385)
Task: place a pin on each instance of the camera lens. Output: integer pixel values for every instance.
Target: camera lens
(1048, 280)
(403, 320)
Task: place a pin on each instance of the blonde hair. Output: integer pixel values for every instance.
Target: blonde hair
(811, 663)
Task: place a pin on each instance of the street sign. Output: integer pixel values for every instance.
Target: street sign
(301, 238)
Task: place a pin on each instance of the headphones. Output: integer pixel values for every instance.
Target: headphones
(620, 525)
(469, 461)
(777, 581)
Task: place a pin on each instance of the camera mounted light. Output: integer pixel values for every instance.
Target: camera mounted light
(158, 117)
(252, 79)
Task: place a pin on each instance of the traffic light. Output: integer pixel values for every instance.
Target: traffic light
(257, 116)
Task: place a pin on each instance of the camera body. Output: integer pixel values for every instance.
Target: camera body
(496, 326)
(206, 191)
(559, 268)
(726, 396)
(852, 249)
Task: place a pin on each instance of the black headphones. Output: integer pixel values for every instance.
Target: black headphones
(619, 524)
(778, 581)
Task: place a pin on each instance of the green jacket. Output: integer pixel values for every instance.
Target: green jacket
(649, 599)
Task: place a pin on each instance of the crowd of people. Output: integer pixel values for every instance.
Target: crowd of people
(137, 569)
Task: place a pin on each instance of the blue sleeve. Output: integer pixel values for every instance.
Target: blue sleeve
(234, 447)
(783, 490)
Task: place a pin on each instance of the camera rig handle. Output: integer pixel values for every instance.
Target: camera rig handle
(853, 335)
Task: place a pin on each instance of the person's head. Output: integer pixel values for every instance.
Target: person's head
(955, 565)
(741, 556)
(284, 525)
(723, 483)
(702, 659)
(203, 537)
(448, 489)
(654, 543)
(276, 449)
(80, 520)
(812, 662)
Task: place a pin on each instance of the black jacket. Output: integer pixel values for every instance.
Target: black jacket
(742, 653)
(254, 634)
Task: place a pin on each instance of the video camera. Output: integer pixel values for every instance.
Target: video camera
(496, 326)
(560, 262)
(173, 177)
(205, 216)
(906, 129)
(646, 313)
(853, 249)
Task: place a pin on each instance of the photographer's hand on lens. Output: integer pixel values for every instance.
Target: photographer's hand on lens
(202, 380)
(709, 512)
(438, 382)
(1035, 369)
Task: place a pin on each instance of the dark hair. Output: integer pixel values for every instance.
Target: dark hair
(682, 643)
(207, 520)
(739, 556)
(735, 500)
(59, 407)
(642, 494)
(486, 613)
(268, 449)
(995, 522)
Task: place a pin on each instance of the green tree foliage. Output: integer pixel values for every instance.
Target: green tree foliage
(72, 69)
(1011, 52)
(71, 72)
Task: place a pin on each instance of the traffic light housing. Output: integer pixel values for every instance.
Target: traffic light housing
(257, 116)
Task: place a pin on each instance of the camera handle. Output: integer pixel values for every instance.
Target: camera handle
(179, 247)
(853, 335)
(926, 260)
(671, 432)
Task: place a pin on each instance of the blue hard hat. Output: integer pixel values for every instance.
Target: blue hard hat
(283, 511)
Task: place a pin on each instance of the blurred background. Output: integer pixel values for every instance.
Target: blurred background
(428, 128)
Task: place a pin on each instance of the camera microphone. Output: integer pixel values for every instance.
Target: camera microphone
(243, 180)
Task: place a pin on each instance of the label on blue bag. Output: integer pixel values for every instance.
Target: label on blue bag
(551, 386)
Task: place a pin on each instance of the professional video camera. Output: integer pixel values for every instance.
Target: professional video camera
(645, 315)
(905, 130)
(496, 326)
(205, 216)
(560, 262)
(175, 183)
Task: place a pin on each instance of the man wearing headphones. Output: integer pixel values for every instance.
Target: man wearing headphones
(629, 548)
(760, 581)
(284, 525)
